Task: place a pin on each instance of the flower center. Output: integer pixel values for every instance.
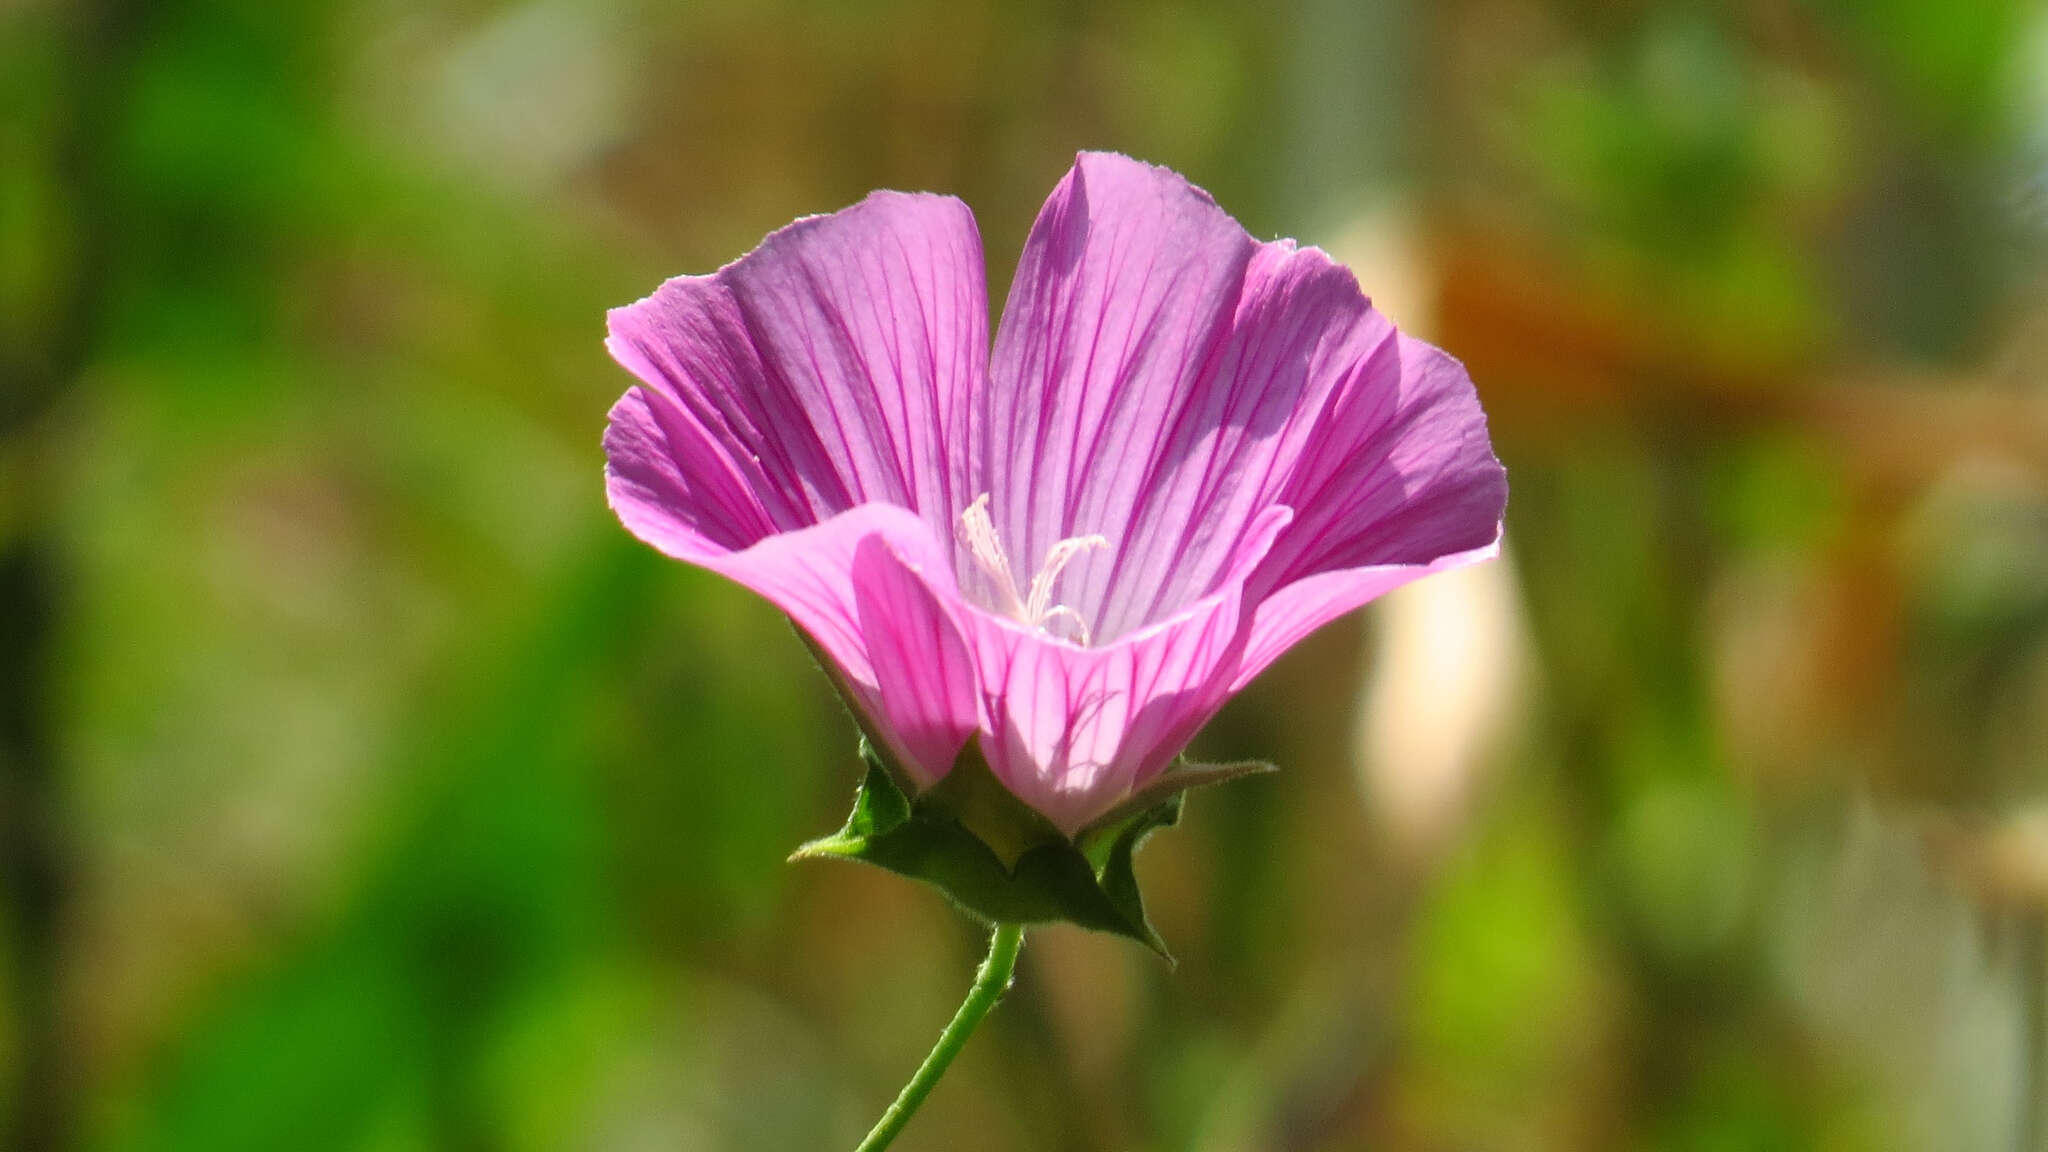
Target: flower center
(1034, 609)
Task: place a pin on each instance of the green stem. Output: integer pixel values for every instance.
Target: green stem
(989, 985)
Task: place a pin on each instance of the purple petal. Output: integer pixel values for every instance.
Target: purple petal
(1299, 326)
(835, 582)
(1155, 374)
(1123, 282)
(854, 582)
(1070, 730)
(830, 367)
(809, 574)
(672, 485)
(1399, 481)
(925, 706)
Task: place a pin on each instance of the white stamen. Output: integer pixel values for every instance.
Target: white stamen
(1040, 606)
(978, 535)
(1062, 612)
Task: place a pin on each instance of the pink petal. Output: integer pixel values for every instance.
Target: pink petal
(925, 702)
(1399, 481)
(1070, 730)
(1286, 618)
(851, 584)
(1123, 284)
(831, 366)
(672, 485)
(1224, 455)
(854, 583)
(1155, 373)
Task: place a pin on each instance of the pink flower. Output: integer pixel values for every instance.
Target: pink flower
(1186, 451)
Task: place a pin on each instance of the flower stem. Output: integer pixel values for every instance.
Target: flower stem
(990, 983)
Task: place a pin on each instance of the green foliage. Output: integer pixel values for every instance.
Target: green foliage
(1505, 980)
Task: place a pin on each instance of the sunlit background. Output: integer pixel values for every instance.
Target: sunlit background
(364, 787)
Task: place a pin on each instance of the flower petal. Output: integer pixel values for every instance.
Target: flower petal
(672, 485)
(925, 706)
(855, 585)
(1155, 372)
(1071, 731)
(1300, 326)
(1126, 276)
(809, 574)
(832, 365)
(1399, 481)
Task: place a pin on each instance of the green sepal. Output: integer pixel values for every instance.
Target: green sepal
(999, 860)
(1170, 785)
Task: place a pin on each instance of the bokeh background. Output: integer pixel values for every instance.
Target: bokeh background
(364, 788)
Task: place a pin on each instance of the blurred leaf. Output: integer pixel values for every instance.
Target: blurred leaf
(296, 1058)
(1947, 64)
(1684, 853)
(1504, 975)
(489, 896)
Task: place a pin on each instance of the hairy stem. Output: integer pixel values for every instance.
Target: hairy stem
(989, 985)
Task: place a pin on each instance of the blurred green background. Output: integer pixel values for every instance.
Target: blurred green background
(365, 788)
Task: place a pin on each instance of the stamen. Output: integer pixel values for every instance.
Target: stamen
(977, 532)
(1040, 605)
(1062, 612)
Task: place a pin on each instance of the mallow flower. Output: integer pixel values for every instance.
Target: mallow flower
(1036, 568)
(1184, 452)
